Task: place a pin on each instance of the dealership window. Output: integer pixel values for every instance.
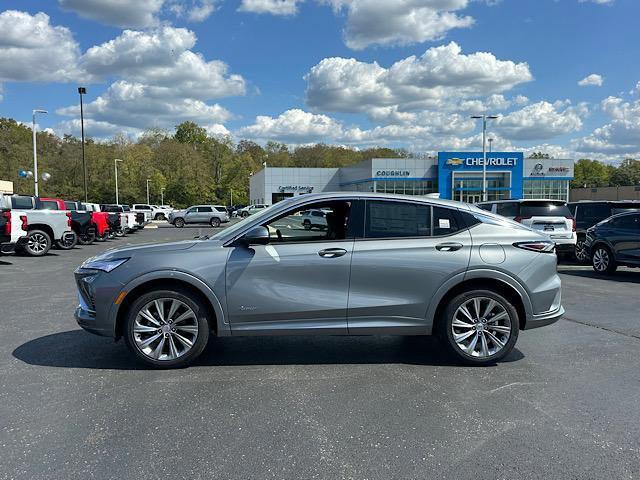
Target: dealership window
(406, 187)
(551, 189)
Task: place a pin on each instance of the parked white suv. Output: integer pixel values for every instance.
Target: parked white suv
(213, 215)
(314, 219)
(551, 217)
(161, 212)
(252, 209)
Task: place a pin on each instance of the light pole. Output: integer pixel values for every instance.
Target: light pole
(484, 151)
(115, 165)
(83, 91)
(162, 197)
(490, 140)
(148, 190)
(35, 151)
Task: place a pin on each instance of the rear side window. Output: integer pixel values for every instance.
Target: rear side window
(49, 205)
(594, 213)
(22, 203)
(544, 209)
(70, 205)
(397, 219)
(628, 222)
(221, 209)
(508, 209)
(485, 206)
(446, 221)
(205, 209)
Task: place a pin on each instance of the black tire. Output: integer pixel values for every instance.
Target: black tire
(38, 243)
(160, 216)
(120, 232)
(102, 238)
(198, 307)
(581, 254)
(446, 331)
(245, 214)
(68, 242)
(603, 261)
(178, 222)
(214, 222)
(87, 238)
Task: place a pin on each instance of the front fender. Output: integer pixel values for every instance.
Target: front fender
(222, 326)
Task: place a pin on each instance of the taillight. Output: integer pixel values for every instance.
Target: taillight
(25, 225)
(573, 222)
(7, 227)
(537, 246)
(68, 219)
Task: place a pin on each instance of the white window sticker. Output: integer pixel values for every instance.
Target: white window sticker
(444, 223)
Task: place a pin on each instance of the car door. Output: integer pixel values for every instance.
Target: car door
(204, 214)
(624, 236)
(299, 280)
(191, 215)
(408, 251)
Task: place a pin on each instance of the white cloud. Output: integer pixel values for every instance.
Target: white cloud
(399, 22)
(599, 2)
(593, 80)
(162, 58)
(120, 13)
(273, 7)
(293, 126)
(541, 120)
(194, 11)
(441, 74)
(622, 133)
(33, 50)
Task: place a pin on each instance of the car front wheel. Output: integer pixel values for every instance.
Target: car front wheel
(167, 328)
(178, 222)
(581, 252)
(479, 327)
(67, 242)
(602, 261)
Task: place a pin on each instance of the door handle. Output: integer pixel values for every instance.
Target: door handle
(332, 252)
(448, 247)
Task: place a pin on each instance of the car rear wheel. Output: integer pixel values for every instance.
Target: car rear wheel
(214, 222)
(67, 242)
(167, 328)
(479, 327)
(245, 214)
(178, 222)
(87, 238)
(602, 260)
(103, 237)
(38, 243)
(581, 252)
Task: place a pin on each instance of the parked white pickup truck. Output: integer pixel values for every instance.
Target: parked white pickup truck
(44, 227)
(13, 228)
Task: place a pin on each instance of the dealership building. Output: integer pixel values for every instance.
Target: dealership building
(452, 175)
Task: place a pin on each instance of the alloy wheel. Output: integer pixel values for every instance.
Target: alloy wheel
(481, 327)
(581, 252)
(165, 329)
(601, 260)
(37, 243)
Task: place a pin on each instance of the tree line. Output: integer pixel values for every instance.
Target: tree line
(193, 167)
(189, 165)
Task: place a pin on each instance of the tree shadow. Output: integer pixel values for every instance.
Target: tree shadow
(78, 349)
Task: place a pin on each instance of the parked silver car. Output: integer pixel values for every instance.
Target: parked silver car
(213, 215)
(385, 264)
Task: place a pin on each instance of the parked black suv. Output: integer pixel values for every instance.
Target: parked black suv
(588, 213)
(613, 242)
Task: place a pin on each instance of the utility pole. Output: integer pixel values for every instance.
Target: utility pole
(115, 164)
(148, 191)
(162, 197)
(35, 151)
(484, 151)
(82, 91)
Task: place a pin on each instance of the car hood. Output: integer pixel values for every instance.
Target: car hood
(132, 250)
(177, 211)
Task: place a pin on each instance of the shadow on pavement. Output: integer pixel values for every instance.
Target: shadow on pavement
(78, 349)
(627, 276)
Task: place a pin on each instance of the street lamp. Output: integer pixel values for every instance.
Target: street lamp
(484, 151)
(162, 197)
(490, 140)
(115, 165)
(83, 91)
(148, 180)
(35, 151)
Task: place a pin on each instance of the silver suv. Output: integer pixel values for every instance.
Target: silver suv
(385, 264)
(213, 215)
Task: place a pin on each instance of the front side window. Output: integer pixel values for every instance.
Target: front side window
(21, 203)
(70, 205)
(397, 219)
(49, 205)
(298, 226)
(627, 222)
(594, 213)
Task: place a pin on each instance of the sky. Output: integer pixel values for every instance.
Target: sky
(563, 76)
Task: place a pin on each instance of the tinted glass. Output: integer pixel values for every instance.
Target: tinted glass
(70, 205)
(22, 203)
(48, 205)
(125, 208)
(485, 206)
(593, 213)
(397, 219)
(627, 222)
(508, 209)
(334, 226)
(205, 209)
(544, 209)
(221, 209)
(446, 221)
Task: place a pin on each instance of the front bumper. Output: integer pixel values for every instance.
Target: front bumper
(96, 294)
(544, 319)
(87, 320)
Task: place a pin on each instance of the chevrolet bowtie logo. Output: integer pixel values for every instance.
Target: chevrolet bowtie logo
(454, 161)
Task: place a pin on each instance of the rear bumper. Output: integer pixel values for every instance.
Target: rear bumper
(544, 319)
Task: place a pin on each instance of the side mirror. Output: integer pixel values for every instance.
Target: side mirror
(257, 236)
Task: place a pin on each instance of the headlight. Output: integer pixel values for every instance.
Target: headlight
(104, 265)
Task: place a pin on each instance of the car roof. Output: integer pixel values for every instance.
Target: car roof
(523, 200)
(634, 202)
(375, 196)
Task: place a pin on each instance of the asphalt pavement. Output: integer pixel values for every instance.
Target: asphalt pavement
(565, 404)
